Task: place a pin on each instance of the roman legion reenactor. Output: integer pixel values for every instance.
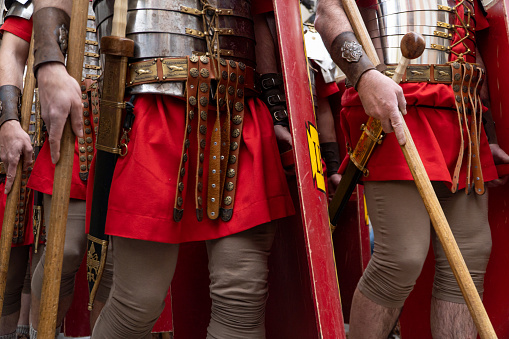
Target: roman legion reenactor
(19, 26)
(199, 160)
(441, 96)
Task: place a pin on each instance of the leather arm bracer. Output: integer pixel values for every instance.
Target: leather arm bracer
(10, 103)
(273, 95)
(349, 55)
(51, 34)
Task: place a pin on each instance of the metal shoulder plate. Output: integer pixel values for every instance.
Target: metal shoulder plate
(20, 8)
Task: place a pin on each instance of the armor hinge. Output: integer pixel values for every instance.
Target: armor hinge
(443, 24)
(190, 10)
(224, 31)
(442, 34)
(445, 8)
(440, 47)
(194, 32)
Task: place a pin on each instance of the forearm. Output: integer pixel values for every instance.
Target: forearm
(13, 56)
(331, 21)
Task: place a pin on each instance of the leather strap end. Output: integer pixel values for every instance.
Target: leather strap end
(349, 55)
(10, 103)
(51, 34)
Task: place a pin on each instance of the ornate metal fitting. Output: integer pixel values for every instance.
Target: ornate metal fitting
(182, 172)
(233, 77)
(187, 143)
(199, 201)
(63, 36)
(236, 133)
(194, 72)
(96, 120)
(231, 90)
(184, 158)
(180, 201)
(200, 186)
(230, 173)
(457, 77)
(81, 141)
(239, 106)
(203, 143)
(83, 158)
(234, 145)
(189, 129)
(232, 159)
(204, 87)
(203, 129)
(221, 102)
(229, 186)
(193, 58)
(83, 149)
(181, 186)
(227, 200)
(242, 66)
(204, 59)
(456, 65)
(90, 149)
(240, 92)
(192, 101)
(241, 79)
(222, 61)
(237, 119)
(203, 115)
(351, 51)
(89, 140)
(222, 89)
(191, 115)
(200, 171)
(202, 157)
(90, 157)
(83, 167)
(456, 88)
(204, 101)
(204, 72)
(224, 74)
(232, 64)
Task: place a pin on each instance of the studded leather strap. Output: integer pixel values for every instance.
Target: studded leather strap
(467, 76)
(224, 84)
(203, 103)
(90, 101)
(237, 118)
(478, 181)
(22, 212)
(191, 109)
(456, 87)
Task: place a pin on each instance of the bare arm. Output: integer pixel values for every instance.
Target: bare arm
(60, 94)
(14, 142)
(380, 96)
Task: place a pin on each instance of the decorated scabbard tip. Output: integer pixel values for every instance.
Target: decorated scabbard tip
(412, 45)
(177, 214)
(226, 214)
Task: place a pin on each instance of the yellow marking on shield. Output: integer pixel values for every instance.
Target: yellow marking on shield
(315, 157)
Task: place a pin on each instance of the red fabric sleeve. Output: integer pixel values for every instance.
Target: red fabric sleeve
(261, 6)
(19, 27)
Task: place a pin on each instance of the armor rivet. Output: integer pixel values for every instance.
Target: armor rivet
(189, 129)
(204, 72)
(192, 101)
(458, 98)
(157, 78)
(186, 143)
(200, 187)
(90, 157)
(89, 140)
(83, 88)
(199, 201)
(21, 218)
(203, 129)
(214, 157)
(224, 74)
(233, 77)
(191, 115)
(240, 92)
(194, 72)
(88, 130)
(193, 58)
(182, 172)
(155, 60)
(95, 111)
(236, 133)
(180, 201)
(465, 99)
(221, 102)
(204, 59)
(213, 185)
(22, 190)
(161, 59)
(181, 186)
(203, 115)
(202, 157)
(239, 106)
(230, 173)
(232, 64)
(164, 78)
(213, 171)
(222, 89)
(234, 145)
(96, 120)
(456, 65)
(232, 159)
(83, 149)
(90, 149)
(229, 186)
(213, 199)
(467, 77)
(83, 167)
(237, 119)
(84, 96)
(231, 90)
(456, 88)
(81, 141)
(204, 87)
(222, 61)
(222, 156)
(227, 200)
(241, 79)
(203, 143)
(184, 158)
(242, 66)
(85, 104)
(200, 171)
(130, 82)
(204, 101)
(465, 89)
(86, 113)
(457, 77)
(87, 122)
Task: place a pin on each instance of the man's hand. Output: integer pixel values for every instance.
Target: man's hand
(14, 142)
(60, 95)
(333, 182)
(383, 99)
(284, 143)
(500, 157)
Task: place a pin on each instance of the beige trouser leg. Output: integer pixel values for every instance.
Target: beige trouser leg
(143, 271)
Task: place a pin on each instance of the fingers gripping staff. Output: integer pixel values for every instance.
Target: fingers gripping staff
(51, 28)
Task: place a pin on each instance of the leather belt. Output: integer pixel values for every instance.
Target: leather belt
(225, 137)
(90, 101)
(174, 69)
(433, 74)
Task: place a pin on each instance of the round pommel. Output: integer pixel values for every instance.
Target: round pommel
(412, 45)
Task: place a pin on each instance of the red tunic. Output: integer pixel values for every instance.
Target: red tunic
(144, 184)
(435, 131)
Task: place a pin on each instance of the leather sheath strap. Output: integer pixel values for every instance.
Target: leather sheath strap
(90, 101)
(236, 114)
(273, 95)
(433, 74)
(330, 154)
(51, 29)
(10, 103)
(348, 54)
(161, 70)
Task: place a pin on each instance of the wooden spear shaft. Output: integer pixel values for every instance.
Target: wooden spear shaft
(13, 196)
(428, 195)
(62, 184)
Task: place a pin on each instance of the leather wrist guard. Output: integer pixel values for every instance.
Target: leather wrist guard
(349, 55)
(51, 34)
(273, 96)
(10, 103)
(330, 154)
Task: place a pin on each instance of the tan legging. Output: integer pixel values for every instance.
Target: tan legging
(402, 231)
(143, 271)
(18, 262)
(74, 250)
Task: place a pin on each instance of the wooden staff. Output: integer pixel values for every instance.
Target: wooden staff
(440, 224)
(62, 184)
(13, 196)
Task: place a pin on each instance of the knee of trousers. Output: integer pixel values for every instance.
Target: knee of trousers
(445, 286)
(389, 284)
(12, 296)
